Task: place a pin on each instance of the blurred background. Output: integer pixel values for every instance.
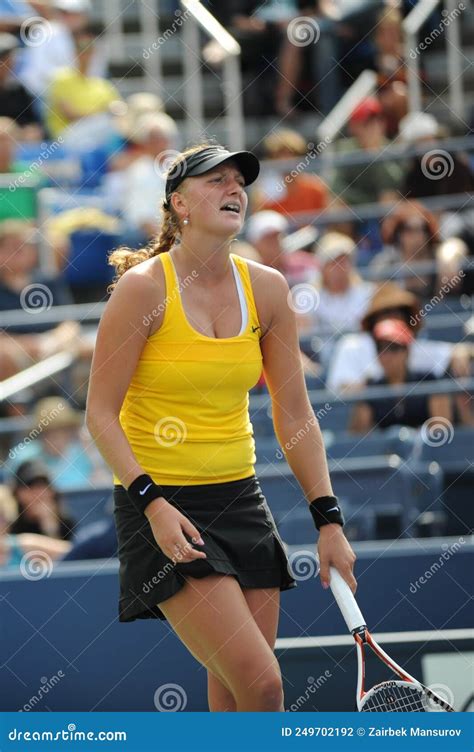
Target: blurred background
(362, 113)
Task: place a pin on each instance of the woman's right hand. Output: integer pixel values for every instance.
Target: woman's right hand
(169, 527)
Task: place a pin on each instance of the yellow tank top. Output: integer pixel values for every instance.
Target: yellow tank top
(185, 413)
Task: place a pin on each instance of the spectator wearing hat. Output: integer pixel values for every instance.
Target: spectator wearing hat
(437, 174)
(38, 504)
(155, 134)
(289, 192)
(393, 339)
(375, 180)
(73, 93)
(62, 444)
(354, 360)
(411, 234)
(14, 547)
(15, 101)
(267, 231)
(343, 297)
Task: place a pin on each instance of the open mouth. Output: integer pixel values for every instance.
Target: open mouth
(231, 206)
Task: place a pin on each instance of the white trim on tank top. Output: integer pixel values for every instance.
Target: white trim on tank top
(242, 299)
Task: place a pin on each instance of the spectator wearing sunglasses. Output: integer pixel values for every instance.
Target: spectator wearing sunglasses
(393, 339)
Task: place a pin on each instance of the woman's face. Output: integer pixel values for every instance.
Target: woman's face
(203, 200)
(392, 357)
(336, 274)
(414, 239)
(18, 254)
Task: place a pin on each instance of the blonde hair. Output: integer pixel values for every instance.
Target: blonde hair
(286, 140)
(124, 258)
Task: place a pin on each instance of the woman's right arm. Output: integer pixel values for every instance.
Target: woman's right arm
(122, 334)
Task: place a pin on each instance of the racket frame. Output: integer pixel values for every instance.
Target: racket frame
(359, 630)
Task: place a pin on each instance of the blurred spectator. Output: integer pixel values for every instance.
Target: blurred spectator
(411, 234)
(15, 102)
(374, 180)
(95, 541)
(343, 297)
(127, 116)
(450, 258)
(267, 231)
(17, 199)
(289, 193)
(393, 339)
(62, 444)
(259, 29)
(355, 356)
(40, 62)
(14, 547)
(437, 172)
(144, 179)
(38, 504)
(73, 93)
(19, 272)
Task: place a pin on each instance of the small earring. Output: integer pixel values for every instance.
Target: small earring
(185, 221)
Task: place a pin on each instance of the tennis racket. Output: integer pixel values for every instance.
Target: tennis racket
(402, 695)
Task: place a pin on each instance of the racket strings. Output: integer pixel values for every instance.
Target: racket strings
(395, 697)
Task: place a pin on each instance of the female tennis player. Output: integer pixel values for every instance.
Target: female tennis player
(184, 336)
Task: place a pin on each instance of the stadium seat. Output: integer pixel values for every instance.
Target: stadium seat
(379, 488)
(86, 505)
(87, 264)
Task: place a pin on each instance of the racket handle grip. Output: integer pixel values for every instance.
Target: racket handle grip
(346, 601)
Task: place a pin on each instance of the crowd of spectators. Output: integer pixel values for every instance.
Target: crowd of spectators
(367, 275)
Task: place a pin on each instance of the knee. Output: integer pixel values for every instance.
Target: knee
(267, 691)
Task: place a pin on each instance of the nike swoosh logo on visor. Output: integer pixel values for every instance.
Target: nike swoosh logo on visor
(145, 489)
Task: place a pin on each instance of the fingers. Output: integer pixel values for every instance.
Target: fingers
(324, 573)
(182, 550)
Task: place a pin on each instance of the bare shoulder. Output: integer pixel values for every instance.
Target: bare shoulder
(270, 290)
(140, 289)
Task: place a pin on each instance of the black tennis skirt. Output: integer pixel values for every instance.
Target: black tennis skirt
(240, 536)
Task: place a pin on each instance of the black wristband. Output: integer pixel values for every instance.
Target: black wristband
(142, 491)
(325, 510)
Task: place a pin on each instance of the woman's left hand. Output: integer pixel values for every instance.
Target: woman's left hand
(334, 550)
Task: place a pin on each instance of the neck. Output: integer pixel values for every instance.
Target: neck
(207, 256)
(397, 377)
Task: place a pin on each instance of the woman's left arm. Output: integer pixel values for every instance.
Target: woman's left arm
(296, 426)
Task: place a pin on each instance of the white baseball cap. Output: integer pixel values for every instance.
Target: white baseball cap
(417, 125)
(334, 244)
(73, 6)
(263, 223)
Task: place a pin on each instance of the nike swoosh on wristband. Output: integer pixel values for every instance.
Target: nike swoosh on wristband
(145, 489)
(333, 509)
